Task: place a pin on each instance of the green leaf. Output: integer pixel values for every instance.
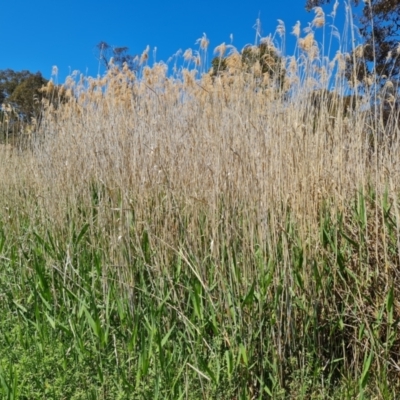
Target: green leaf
(51, 320)
(389, 304)
(81, 233)
(365, 373)
(243, 353)
(166, 337)
(21, 307)
(249, 299)
(93, 324)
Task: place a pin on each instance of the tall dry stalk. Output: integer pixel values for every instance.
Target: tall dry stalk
(204, 165)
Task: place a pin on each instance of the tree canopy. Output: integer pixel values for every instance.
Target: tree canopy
(10, 80)
(21, 99)
(26, 97)
(379, 24)
(109, 55)
(264, 57)
(310, 4)
(21, 95)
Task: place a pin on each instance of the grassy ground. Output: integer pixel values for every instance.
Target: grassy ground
(282, 319)
(206, 238)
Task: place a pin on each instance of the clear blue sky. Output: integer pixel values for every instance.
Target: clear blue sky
(35, 35)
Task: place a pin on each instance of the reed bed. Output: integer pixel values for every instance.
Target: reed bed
(202, 236)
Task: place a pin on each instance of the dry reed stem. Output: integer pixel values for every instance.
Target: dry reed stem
(202, 140)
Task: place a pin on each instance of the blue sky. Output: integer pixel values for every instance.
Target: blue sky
(36, 35)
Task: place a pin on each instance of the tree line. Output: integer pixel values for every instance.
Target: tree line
(21, 92)
(379, 25)
(373, 67)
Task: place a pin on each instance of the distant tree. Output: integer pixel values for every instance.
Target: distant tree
(26, 97)
(9, 80)
(336, 106)
(376, 63)
(109, 55)
(265, 55)
(218, 65)
(380, 28)
(23, 96)
(20, 99)
(2, 120)
(310, 4)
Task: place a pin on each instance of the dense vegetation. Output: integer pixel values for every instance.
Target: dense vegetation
(233, 235)
(22, 98)
(377, 59)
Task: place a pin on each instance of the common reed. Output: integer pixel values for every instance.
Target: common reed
(236, 235)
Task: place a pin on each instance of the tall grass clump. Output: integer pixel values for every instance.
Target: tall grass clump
(229, 235)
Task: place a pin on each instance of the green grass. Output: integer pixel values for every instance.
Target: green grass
(284, 319)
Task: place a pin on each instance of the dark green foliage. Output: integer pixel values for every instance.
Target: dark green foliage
(20, 93)
(380, 27)
(9, 81)
(265, 54)
(325, 109)
(118, 55)
(74, 325)
(270, 62)
(26, 97)
(315, 3)
(218, 65)
(336, 104)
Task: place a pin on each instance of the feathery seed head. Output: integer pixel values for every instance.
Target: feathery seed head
(197, 60)
(204, 42)
(220, 50)
(234, 61)
(319, 19)
(187, 55)
(48, 89)
(359, 51)
(125, 68)
(188, 78)
(281, 28)
(68, 93)
(145, 55)
(267, 40)
(266, 79)
(389, 84)
(296, 29)
(307, 43)
(391, 99)
(257, 69)
(146, 72)
(335, 6)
